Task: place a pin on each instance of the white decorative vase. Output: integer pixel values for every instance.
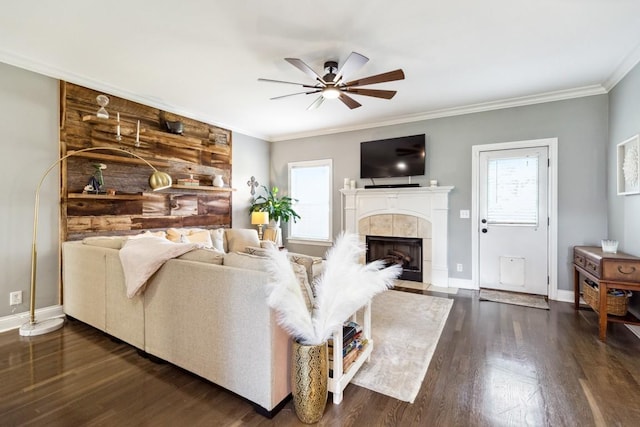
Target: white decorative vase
(218, 181)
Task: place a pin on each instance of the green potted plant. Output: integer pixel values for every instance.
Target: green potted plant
(278, 208)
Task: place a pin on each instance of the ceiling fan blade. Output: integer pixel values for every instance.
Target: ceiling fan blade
(348, 101)
(378, 78)
(299, 64)
(386, 94)
(354, 62)
(316, 103)
(282, 81)
(297, 93)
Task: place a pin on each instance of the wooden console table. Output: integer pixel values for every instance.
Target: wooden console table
(608, 270)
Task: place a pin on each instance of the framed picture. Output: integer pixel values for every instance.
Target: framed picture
(629, 166)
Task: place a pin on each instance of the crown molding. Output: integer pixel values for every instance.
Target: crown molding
(59, 74)
(627, 64)
(559, 95)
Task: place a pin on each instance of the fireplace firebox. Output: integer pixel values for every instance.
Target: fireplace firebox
(404, 251)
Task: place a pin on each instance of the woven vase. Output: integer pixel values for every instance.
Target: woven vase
(309, 376)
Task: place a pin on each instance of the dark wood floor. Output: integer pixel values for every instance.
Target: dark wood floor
(495, 365)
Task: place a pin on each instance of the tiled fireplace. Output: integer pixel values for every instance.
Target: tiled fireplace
(418, 213)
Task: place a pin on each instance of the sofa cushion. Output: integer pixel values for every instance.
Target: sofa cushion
(190, 235)
(148, 233)
(239, 238)
(244, 260)
(174, 234)
(252, 250)
(211, 256)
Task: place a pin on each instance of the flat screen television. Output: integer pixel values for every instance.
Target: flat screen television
(387, 158)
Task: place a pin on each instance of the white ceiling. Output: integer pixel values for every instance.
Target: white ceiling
(202, 58)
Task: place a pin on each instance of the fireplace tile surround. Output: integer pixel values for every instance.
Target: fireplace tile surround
(404, 212)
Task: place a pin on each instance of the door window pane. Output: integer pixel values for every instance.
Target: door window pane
(512, 191)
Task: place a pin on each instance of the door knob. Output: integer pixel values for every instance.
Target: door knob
(484, 221)
(484, 230)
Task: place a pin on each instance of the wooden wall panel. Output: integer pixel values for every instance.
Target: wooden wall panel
(202, 151)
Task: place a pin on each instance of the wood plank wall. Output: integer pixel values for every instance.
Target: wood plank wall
(203, 151)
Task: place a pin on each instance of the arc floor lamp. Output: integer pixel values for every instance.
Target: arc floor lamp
(157, 181)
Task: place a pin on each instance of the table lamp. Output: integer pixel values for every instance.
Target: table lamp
(259, 219)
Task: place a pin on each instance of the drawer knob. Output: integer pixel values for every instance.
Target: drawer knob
(631, 270)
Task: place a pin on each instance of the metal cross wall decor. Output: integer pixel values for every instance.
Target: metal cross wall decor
(253, 184)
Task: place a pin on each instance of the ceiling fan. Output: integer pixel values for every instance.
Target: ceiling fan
(334, 85)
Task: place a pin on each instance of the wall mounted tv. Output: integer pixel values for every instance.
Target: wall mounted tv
(386, 158)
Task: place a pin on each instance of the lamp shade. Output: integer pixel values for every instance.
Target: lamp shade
(259, 218)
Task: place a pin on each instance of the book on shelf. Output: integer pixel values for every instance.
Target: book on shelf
(349, 330)
(354, 343)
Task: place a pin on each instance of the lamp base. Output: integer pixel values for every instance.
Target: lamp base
(41, 327)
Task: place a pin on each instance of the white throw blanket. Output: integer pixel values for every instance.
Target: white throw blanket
(142, 257)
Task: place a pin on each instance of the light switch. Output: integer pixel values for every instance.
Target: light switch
(464, 213)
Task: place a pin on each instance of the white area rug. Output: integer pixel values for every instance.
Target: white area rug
(525, 300)
(406, 329)
(424, 287)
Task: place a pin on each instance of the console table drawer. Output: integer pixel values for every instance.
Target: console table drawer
(623, 271)
(592, 267)
(578, 259)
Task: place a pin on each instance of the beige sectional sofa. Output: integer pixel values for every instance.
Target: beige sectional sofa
(195, 312)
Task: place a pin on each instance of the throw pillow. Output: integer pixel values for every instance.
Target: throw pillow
(268, 244)
(252, 250)
(218, 239)
(203, 237)
(174, 234)
(239, 238)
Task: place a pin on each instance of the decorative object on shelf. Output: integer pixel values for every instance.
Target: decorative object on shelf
(138, 134)
(111, 191)
(189, 182)
(175, 127)
(309, 378)
(157, 181)
(259, 219)
(97, 180)
(610, 246)
(346, 184)
(628, 157)
(103, 101)
(218, 181)
(253, 184)
(344, 287)
(118, 136)
(353, 184)
(433, 183)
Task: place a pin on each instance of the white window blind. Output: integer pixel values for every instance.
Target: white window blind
(512, 191)
(310, 183)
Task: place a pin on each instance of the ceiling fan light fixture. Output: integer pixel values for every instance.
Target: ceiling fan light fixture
(330, 93)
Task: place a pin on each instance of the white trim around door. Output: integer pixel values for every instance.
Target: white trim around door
(552, 144)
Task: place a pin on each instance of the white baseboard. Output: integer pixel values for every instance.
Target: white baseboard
(14, 321)
(461, 283)
(564, 296)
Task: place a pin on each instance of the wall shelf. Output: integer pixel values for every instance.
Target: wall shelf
(202, 187)
(119, 159)
(106, 196)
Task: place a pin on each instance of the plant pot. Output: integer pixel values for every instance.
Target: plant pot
(309, 377)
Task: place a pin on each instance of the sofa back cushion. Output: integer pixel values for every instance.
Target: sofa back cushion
(210, 256)
(239, 238)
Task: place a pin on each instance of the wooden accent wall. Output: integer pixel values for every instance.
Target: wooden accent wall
(203, 151)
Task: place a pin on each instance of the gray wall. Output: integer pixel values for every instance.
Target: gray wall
(28, 145)
(624, 211)
(250, 158)
(579, 124)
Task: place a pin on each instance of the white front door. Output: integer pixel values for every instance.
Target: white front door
(513, 220)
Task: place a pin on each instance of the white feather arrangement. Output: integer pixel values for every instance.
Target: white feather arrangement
(344, 287)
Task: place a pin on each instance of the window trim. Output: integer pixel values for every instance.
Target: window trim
(307, 164)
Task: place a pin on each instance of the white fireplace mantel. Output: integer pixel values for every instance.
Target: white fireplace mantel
(429, 203)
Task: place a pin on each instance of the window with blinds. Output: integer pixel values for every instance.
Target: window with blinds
(512, 191)
(310, 184)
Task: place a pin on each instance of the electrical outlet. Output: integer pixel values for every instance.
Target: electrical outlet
(464, 213)
(15, 298)
(459, 267)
